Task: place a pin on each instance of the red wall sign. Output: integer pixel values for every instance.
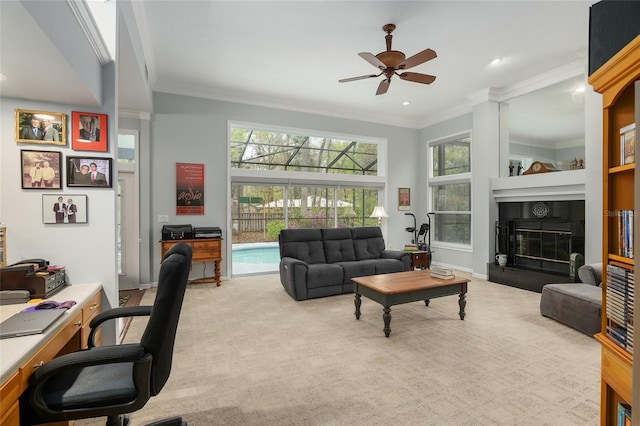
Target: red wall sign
(189, 188)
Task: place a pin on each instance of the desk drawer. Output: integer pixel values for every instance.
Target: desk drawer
(66, 339)
(9, 394)
(90, 310)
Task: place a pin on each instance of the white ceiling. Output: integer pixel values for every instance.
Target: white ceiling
(291, 54)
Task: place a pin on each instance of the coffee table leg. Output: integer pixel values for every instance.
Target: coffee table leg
(386, 316)
(462, 301)
(357, 302)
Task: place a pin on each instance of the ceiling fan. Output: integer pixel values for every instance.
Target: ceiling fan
(392, 61)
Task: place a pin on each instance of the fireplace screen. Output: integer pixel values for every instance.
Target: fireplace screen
(542, 248)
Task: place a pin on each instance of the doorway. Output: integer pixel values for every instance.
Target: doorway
(128, 240)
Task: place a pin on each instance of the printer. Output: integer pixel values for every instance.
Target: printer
(207, 232)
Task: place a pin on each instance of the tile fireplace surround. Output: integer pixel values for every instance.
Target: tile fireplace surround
(540, 224)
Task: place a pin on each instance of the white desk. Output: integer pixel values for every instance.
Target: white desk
(20, 356)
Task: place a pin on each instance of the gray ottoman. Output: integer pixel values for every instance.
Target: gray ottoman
(577, 305)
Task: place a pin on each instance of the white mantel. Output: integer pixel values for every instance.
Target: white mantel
(552, 186)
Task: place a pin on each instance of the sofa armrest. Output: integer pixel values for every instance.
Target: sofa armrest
(401, 255)
(591, 274)
(293, 276)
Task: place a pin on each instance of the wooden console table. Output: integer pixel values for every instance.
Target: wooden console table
(204, 250)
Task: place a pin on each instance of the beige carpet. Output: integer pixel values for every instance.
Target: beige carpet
(248, 354)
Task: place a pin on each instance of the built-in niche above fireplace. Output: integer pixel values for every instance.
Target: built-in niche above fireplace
(539, 239)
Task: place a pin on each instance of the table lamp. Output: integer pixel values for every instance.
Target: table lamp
(379, 212)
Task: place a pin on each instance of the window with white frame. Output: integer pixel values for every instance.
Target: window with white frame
(450, 189)
(292, 178)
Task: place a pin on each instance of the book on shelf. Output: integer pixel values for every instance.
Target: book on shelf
(625, 232)
(624, 414)
(628, 144)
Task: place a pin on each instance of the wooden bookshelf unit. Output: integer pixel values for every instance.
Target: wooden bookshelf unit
(616, 81)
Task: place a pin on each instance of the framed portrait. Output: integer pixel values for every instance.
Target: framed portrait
(64, 208)
(90, 172)
(404, 198)
(88, 131)
(41, 127)
(41, 169)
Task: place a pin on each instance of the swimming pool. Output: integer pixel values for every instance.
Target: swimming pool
(254, 258)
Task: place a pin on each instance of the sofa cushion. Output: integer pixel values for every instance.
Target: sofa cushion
(574, 304)
(302, 244)
(367, 242)
(357, 269)
(338, 245)
(324, 275)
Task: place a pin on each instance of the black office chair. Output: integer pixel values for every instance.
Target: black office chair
(114, 380)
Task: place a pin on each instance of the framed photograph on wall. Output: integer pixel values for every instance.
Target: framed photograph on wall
(404, 198)
(88, 131)
(41, 169)
(89, 172)
(41, 127)
(64, 208)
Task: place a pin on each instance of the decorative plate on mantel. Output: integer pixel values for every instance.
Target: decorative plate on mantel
(539, 167)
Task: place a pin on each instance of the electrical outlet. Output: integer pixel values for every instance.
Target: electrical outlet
(163, 218)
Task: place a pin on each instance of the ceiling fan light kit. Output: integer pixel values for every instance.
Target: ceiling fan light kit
(390, 62)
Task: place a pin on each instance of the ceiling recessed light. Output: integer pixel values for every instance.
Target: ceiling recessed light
(405, 103)
(495, 61)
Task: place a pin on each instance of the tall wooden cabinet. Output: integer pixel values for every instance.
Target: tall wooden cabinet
(616, 81)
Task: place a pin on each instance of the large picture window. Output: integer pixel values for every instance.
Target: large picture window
(450, 190)
(297, 179)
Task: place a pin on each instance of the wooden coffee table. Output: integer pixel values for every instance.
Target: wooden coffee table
(405, 287)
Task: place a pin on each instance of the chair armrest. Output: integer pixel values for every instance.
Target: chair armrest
(96, 356)
(401, 255)
(109, 314)
(591, 274)
(394, 254)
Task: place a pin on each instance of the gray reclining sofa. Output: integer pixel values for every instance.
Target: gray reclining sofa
(321, 262)
(577, 305)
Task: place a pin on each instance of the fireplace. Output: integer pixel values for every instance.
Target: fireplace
(539, 239)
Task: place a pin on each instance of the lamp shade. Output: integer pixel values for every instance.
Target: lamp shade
(379, 212)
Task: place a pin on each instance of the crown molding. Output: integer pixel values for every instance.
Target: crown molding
(83, 14)
(285, 104)
(573, 69)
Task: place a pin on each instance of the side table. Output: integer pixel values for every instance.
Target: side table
(419, 260)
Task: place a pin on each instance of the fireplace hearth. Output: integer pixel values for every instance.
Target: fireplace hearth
(539, 239)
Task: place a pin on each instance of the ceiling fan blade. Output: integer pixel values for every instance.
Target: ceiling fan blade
(371, 58)
(362, 77)
(417, 78)
(417, 59)
(383, 86)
